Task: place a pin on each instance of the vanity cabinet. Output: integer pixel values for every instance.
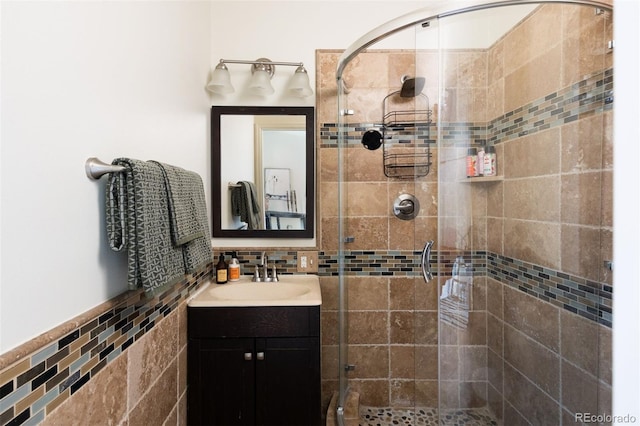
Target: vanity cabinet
(254, 366)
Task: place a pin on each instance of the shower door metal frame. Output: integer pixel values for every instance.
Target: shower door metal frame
(377, 34)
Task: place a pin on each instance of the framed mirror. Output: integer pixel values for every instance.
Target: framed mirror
(263, 171)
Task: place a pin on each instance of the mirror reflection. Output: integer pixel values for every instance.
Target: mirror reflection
(262, 159)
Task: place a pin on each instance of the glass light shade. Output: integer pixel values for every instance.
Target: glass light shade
(220, 81)
(299, 85)
(261, 83)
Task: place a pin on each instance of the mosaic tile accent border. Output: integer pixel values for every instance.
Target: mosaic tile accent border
(396, 263)
(459, 133)
(42, 381)
(589, 299)
(589, 96)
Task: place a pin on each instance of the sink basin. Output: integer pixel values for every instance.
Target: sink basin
(244, 291)
(291, 290)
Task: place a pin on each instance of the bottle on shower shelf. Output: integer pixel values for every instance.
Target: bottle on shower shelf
(480, 162)
(472, 158)
(489, 163)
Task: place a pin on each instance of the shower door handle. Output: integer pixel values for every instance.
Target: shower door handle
(425, 262)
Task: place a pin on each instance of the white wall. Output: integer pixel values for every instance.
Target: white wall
(82, 79)
(289, 31)
(238, 166)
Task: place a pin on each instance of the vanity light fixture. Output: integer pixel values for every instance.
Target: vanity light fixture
(262, 71)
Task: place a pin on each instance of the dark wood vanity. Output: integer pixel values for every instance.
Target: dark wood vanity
(254, 365)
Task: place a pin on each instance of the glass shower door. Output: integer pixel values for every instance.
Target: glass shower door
(524, 298)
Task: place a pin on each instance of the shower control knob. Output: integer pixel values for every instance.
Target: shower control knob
(406, 207)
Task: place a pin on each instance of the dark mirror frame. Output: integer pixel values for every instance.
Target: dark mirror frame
(216, 179)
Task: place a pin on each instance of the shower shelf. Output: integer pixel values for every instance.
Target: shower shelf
(483, 179)
(405, 135)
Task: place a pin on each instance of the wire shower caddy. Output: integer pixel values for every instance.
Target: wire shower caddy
(405, 140)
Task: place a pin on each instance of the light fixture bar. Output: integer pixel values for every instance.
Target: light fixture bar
(262, 70)
(237, 61)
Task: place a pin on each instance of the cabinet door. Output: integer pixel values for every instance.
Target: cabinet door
(288, 381)
(221, 382)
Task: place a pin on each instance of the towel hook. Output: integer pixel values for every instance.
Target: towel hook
(96, 168)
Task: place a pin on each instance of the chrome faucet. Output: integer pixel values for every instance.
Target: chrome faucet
(264, 265)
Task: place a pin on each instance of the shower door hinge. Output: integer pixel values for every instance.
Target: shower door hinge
(347, 112)
(349, 367)
(611, 44)
(599, 11)
(349, 239)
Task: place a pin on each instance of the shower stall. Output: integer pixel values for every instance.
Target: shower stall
(471, 294)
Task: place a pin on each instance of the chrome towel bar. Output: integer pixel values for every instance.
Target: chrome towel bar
(96, 169)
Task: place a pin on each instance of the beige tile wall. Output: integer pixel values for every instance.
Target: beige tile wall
(544, 364)
(145, 385)
(554, 206)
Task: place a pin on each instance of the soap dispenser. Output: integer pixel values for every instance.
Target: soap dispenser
(234, 268)
(221, 270)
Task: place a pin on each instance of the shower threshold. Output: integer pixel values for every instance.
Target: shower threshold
(375, 416)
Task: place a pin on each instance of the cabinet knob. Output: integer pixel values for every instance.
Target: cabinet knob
(260, 356)
(248, 356)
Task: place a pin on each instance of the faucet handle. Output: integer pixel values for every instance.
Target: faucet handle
(256, 275)
(274, 273)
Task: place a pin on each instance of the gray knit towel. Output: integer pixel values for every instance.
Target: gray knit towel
(244, 203)
(188, 216)
(137, 219)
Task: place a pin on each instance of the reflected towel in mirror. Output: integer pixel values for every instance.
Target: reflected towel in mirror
(244, 203)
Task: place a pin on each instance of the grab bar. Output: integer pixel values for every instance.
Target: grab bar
(425, 261)
(96, 169)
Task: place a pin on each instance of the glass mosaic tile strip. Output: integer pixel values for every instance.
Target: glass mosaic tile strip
(587, 298)
(581, 99)
(55, 372)
(589, 96)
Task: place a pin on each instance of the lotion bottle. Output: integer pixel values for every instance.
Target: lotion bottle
(234, 268)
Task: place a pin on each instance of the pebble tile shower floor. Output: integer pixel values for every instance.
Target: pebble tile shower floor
(373, 416)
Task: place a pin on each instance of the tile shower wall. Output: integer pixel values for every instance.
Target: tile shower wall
(124, 365)
(489, 98)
